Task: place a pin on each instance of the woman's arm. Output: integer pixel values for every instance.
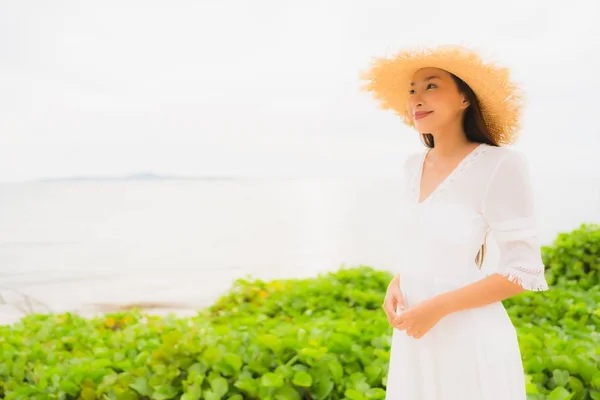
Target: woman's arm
(488, 290)
(421, 317)
(508, 209)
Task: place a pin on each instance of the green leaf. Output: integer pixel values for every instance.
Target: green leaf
(595, 394)
(287, 393)
(354, 394)
(164, 392)
(285, 371)
(193, 392)
(212, 355)
(270, 341)
(324, 388)
(196, 371)
(337, 371)
(88, 394)
(576, 386)
(560, 393)
(372, 372)
(595, 382)
(127, 395)
(561, 378)
(303, 379)
(271, 380)
(248, 385)
(219, 386)
(69, 387)
(209, 395)
(233, 360)
(534, 364)
(375, 393)
(140, 385)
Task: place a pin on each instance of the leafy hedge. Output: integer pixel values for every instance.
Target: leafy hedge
(321, 338)
(574, 258)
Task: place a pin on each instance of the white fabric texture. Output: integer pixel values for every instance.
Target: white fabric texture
(471, 354)
(508, 207)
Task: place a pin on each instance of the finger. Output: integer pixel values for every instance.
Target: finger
(388, 307)
(402, 325)
(401, 302)
(412, 332)
(396, 293)
(398, 318)
(389, 302)
(390, 317)
(401, 317)
(416, 333)
(392, 308)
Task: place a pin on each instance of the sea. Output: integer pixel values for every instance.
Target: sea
(92, 246)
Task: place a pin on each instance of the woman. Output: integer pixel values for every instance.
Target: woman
(452, 338)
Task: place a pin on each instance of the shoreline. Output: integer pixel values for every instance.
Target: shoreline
(183, 293)
(10, 314)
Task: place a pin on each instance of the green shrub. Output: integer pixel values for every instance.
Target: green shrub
(573, 260)
(282, 339)
(320, 338)
(334, 295)
(560, 362)
(567, 308)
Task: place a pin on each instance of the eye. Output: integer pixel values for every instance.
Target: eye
(429, 85)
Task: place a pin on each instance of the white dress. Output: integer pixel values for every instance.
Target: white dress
(471, 354)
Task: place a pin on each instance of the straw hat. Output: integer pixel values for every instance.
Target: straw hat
(500, 99)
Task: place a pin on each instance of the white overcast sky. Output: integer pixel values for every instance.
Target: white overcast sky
(269, 87)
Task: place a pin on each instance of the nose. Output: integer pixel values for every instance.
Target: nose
(415, 102)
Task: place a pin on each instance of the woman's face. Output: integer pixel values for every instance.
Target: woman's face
(435, 102)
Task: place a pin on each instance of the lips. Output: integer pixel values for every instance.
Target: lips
(422, 114)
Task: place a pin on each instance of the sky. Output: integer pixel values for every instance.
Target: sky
(270, 88)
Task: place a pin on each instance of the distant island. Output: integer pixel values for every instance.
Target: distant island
(145, 176)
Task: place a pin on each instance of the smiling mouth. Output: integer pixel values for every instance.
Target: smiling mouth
(420, 115)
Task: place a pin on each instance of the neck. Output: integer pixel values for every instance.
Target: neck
(449, 142)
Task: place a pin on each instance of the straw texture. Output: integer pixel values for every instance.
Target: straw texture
(501, 100)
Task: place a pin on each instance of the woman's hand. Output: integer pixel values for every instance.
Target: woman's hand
(420, 318)
(393, 299)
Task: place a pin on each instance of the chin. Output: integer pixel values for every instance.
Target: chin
(425, 128)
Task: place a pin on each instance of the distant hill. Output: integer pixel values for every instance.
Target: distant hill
(144, 176)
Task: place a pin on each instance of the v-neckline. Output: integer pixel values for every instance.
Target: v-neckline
(444, 181)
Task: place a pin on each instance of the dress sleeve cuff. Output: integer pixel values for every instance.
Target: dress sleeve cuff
(529, 278)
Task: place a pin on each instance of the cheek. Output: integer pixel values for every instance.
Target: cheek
(410, 104)
(436, 99)
(441, 103)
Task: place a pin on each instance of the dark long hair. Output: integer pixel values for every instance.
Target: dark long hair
(473, 122)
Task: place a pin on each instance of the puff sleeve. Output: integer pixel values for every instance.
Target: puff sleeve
(508, 208)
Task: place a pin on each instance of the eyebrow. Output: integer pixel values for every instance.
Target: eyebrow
(427, 79)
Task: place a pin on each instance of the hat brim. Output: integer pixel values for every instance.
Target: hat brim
(500, 99)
